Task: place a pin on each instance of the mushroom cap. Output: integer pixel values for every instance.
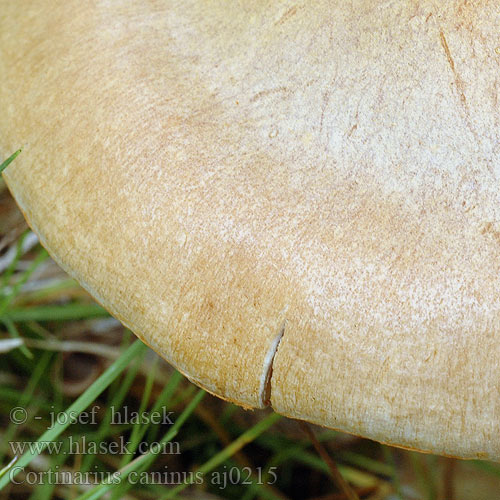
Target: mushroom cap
(294, 204)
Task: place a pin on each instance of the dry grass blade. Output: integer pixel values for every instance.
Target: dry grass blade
(341, 483)
(448, 478)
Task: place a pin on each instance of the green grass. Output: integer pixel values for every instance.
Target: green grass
(78, 406)
(9, 160)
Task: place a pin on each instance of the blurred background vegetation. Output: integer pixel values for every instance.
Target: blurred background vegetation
(56, 349)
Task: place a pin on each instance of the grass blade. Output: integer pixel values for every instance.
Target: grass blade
(229, 451)
(65, 312)
(9, 160)
(78, 406)
(144, 461)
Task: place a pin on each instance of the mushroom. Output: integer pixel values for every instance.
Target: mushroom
(295, 204)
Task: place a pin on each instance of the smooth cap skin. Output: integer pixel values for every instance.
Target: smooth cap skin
(293, 202)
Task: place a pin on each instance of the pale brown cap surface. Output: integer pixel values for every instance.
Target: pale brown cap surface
(223, 177)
